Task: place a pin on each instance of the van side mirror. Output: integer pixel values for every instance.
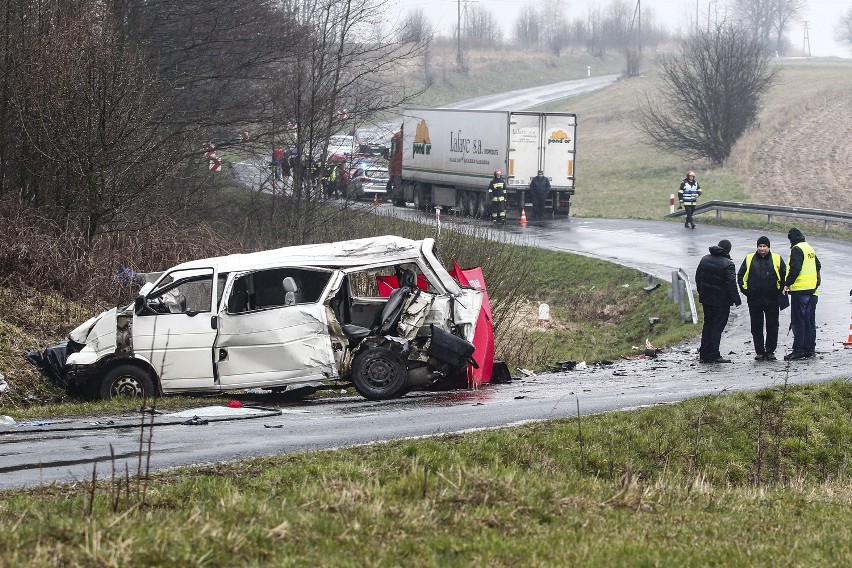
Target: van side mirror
(139, 305)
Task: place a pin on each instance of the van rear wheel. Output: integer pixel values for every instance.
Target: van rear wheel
(126, 381)
(379, 374)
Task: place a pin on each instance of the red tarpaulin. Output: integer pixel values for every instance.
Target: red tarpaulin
(483, 338)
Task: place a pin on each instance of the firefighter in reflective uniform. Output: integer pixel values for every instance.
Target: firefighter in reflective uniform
(497, 196)
(330, 180)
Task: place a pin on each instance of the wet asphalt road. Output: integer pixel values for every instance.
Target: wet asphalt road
(36, 456)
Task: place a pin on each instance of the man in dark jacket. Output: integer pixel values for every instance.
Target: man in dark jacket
(801, 283)
(539, 189)
(761, 279)
(716, 281)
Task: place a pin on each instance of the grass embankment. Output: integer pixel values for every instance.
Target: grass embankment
(755, 479)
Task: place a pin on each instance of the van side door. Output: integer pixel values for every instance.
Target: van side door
(273, 329)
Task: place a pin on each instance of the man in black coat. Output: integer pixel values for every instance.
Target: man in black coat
(716, 281)
(761, 279)
(539, 189)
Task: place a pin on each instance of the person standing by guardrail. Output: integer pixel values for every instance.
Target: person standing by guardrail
(761, 279)
(716, 281)
(688, 195)
(801, 283)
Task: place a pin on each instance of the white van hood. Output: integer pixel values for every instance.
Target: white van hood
(105, 323)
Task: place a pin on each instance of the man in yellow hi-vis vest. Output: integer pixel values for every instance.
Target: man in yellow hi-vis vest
(761, 279)
(801, 285)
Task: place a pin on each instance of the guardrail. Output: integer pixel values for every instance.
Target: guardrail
(825, 215)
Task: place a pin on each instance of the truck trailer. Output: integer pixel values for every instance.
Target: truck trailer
(446, 158)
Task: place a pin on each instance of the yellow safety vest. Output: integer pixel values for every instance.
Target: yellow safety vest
(776, 262)
(807, 278)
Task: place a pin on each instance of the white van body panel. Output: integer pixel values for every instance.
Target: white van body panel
(98, 335)
(275, 346)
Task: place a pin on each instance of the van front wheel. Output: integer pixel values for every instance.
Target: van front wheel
(379, 374)
(126, 381)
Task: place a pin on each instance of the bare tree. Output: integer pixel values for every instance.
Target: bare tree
(528, 27)
(481, 28)
(843, 28)
(769, 20)
(710, 95)
(555, 30)
(416, 28)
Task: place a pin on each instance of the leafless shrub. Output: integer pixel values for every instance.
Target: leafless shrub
(710, 95)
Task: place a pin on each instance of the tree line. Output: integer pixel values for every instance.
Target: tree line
(108, 107)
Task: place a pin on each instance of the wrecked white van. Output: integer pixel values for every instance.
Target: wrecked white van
(380, 312)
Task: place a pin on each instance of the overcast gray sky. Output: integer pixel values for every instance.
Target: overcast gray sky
(820, 14)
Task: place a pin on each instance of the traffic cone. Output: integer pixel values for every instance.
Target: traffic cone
(848, 342)
(523, 217)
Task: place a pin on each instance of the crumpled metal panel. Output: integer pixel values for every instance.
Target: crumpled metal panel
(289, 343)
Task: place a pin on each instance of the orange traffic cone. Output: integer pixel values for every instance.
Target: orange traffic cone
(848, 342)
(523, 217)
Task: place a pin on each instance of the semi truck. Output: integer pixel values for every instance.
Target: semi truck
(446, 158)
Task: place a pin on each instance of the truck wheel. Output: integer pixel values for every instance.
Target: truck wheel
(379, 374)
(397, 193)
(126, 381)
(481, 209)
(461, 202)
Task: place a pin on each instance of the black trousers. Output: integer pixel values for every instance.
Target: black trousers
(715, 320)
(760, 310)
(689, 210)
(538, 199)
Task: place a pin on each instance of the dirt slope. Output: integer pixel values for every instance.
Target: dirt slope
(805, 162)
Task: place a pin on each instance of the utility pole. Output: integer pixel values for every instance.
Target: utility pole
(806, 42)
(639, 8)
(458, 39)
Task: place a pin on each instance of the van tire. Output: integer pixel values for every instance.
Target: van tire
(379, 374)
(126, 381)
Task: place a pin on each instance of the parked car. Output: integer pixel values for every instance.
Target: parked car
(381, 313)
(366, 181)
(341, 147)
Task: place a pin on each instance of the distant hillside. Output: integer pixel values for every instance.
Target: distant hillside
(795, 156)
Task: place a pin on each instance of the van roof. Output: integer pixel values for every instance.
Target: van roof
(341, 254)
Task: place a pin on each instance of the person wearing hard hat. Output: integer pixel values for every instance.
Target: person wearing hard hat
(687, 195)
(761, 279)
(801, 283)
(497, 197)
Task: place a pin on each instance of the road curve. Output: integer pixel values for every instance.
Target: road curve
(33, 456)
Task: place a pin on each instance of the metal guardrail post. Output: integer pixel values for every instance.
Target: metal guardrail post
(681, 294)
